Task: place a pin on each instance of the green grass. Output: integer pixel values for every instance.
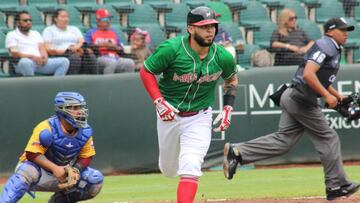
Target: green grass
(247, 184)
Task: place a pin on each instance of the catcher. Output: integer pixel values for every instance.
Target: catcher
(57, 156)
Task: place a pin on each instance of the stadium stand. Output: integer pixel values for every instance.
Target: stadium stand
(250, 22)
(310, 27)
(222, 9)
(3, 24)
(176, 19)
(42, 2)
(81, 2)
(119, 2)
(329, 9)
(244, 59)
(143, 15)
(263, 35)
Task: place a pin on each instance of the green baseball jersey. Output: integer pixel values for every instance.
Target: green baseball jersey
(187, 82)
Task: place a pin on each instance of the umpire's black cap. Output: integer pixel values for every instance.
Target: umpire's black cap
(337, 23)
(201, 16)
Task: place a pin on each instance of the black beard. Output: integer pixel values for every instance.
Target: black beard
(201, 41)
(24, 29)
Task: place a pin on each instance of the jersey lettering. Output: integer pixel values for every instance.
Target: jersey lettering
(332, 78)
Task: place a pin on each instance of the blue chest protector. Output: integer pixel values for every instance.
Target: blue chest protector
(62, 148)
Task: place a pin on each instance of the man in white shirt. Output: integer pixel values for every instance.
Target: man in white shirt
(28, 45)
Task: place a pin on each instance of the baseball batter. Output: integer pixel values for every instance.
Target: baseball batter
(190, 66)
(301, 111)
(61, 142)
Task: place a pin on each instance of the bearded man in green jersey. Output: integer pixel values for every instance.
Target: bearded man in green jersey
(191, 67)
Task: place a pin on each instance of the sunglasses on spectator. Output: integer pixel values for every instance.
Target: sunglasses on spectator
(292, 18)
(26, 20)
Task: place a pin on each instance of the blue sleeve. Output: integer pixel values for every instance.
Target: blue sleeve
(88, 36)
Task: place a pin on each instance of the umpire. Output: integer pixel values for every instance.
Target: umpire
(301, 111)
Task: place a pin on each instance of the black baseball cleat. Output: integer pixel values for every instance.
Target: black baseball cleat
(231, 160)
(343, 191)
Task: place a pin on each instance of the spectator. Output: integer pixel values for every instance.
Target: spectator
(62, 39)
(108, 43)
(224, 38)
(289, 42)
(28, 45)
(140, 41)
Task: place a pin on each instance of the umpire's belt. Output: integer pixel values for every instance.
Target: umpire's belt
(191, 113)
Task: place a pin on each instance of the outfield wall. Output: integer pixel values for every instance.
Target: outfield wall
(123, 117)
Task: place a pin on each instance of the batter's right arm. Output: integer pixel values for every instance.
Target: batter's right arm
(165, 110)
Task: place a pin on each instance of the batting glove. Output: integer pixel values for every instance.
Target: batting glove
(165, 110)
(225, 117)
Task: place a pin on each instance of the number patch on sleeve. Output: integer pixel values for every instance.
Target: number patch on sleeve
(318, 57)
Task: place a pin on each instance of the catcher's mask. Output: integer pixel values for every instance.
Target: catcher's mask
(66, 103)
(201, 16)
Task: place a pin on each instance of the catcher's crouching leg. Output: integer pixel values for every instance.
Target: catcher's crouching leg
(26, 175)
(88, 187)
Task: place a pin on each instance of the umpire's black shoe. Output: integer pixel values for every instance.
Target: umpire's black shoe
(231, 160)
(345, 190)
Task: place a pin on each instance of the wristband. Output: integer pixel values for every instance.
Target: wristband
(229, 100)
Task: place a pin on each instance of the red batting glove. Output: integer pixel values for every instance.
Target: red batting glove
(225, 117)
(165, 110)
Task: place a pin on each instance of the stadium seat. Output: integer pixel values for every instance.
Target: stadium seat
(81, 2)
(254, 14)
(143, 15)
(357, 13)
(157, 1)
(8, 3)
(263, 35)
(4, 54)
(356, 56)
(3, 25)
(119, 2)
(354, 36)
(176, 19)
(3, 50)
(42, 2)
(222, 9)
(310, 27)
(329, 9)
(295, 6)
(244, 59)
(194, 3)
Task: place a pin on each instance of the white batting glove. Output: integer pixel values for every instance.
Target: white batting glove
(165, 110)
(225, 117)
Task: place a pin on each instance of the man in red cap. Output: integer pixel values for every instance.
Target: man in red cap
(191, 67)
(109, 43)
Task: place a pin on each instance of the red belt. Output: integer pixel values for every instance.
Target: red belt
(190, 113)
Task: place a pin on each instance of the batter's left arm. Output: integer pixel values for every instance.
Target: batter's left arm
(230, 89)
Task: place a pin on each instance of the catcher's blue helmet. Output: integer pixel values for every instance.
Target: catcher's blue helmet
(64, 101)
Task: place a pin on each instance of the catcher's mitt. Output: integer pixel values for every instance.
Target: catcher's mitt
(350, 107)
(72, 177)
